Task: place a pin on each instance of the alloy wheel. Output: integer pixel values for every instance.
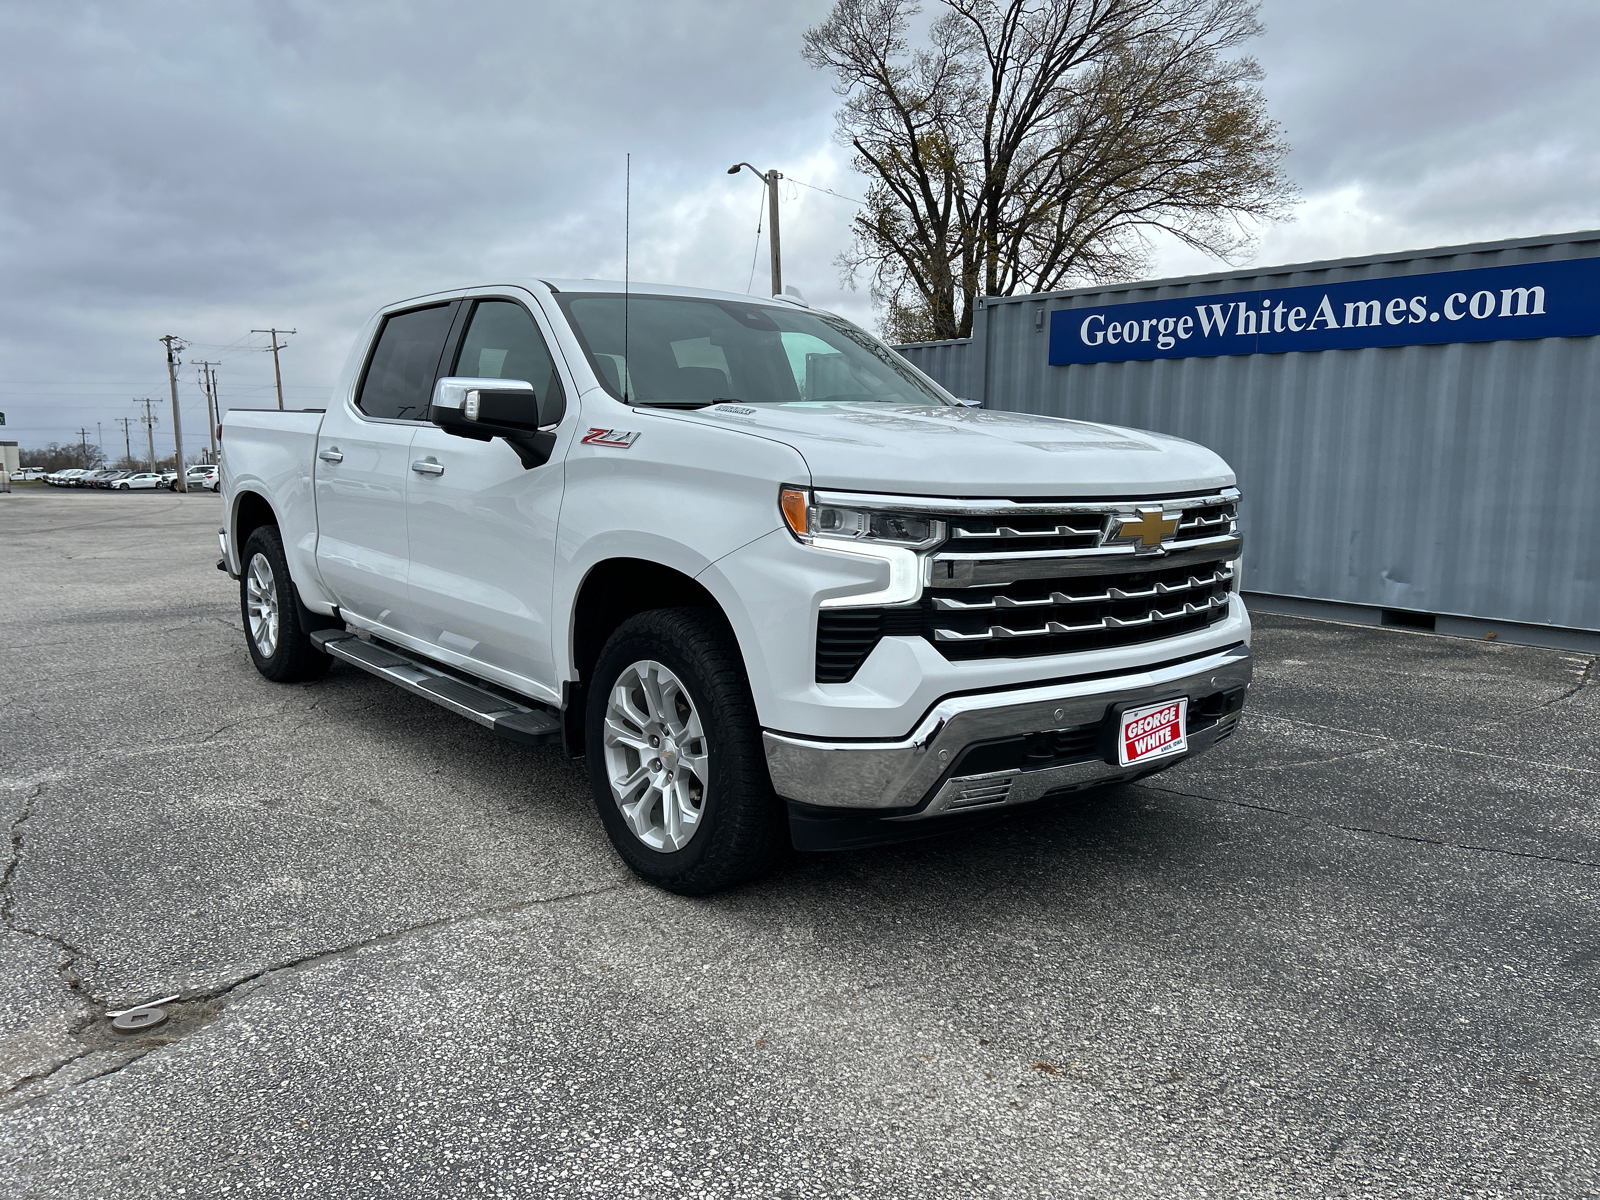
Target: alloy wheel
(261, 600)
(657, 756)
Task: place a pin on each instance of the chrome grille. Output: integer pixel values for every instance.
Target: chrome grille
(1078, 613)
(1032, 577)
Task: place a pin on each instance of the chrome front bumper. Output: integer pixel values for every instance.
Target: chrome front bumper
(904, 774)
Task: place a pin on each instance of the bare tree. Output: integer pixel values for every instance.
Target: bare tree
(1031, 145)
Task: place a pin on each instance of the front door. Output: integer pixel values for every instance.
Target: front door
(482, 526)
(364, 464)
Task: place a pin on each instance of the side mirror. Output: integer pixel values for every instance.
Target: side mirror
(483, 409)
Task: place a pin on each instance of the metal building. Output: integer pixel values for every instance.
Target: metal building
(1417, 435)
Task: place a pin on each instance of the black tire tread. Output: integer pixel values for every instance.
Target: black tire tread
(747, 834)
(297, 659)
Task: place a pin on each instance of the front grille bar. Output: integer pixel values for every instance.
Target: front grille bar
(951, 604)
(1005, 531)
(1052, 628)
(998, 570)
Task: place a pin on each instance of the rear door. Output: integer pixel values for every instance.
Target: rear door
(364, 463)
(481, 525)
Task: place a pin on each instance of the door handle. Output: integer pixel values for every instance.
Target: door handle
(427, 466)
(331, 454)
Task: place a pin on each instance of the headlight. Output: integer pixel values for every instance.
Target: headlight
(863, 526)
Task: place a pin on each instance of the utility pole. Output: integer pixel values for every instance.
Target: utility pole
(276, 373)
(127, 440)
(83, 443)
(208, 384)
(175, 347)
(770, 178)
(149, 426)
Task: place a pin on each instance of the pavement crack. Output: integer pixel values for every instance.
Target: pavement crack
(1416, 742)
(70, 954)
(318, 957)
(1583, 682)
(43, 1078)
(192, 1012)
(1399, 837)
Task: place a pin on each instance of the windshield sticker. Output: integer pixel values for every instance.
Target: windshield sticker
(617, 439)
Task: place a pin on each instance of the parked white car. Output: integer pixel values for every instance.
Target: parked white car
(133, 483)
(30, 473)
(772, 582)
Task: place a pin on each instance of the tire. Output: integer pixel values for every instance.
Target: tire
(729, 826)
(275, 622)
(122, 487)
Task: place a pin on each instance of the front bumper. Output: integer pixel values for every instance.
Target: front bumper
(919, 777)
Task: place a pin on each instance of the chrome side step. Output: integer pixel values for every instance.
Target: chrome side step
(521, 722)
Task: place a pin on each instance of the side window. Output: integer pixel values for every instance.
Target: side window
(502, 342)
(399, 380)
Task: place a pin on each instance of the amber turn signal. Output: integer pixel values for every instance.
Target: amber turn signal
(794, 502)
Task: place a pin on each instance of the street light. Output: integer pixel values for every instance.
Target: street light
(770, 178)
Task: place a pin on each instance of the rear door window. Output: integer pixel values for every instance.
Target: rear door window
(400, 376)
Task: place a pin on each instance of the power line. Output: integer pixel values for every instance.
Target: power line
(826, 191)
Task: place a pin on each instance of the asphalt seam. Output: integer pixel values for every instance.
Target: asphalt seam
(316, 958)
(1399, 837)
(305, 962)
(70, 955)
(1421, 745)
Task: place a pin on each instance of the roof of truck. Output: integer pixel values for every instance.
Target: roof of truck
(662, 289)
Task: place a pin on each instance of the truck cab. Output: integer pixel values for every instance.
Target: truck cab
(773, 583)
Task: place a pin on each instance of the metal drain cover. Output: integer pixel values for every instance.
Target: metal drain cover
(137, 1020)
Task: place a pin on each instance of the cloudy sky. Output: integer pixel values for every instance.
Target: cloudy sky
(188, 167)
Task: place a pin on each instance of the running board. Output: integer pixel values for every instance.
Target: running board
(510, 719)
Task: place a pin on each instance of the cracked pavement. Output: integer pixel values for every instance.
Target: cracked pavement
(1352, 952)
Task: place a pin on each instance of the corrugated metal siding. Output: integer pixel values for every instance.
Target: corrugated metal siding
(1460, 479)
(946, 362)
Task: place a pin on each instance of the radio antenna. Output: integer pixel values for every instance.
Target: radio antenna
(627, 215)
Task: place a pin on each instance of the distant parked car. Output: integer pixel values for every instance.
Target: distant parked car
(90, 478)
(144, 479)
(193, 478)
(65, 477)
(28, 473)
(110, 479)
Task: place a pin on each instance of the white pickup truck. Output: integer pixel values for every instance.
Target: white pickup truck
(775, 584)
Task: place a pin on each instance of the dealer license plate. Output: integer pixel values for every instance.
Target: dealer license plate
(1153, 731)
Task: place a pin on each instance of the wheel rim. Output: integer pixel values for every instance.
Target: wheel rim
(261, 602)
(657, 756)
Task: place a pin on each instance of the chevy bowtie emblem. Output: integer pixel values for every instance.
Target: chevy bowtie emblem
(1150, 525)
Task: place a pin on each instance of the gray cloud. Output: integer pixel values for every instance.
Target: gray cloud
(201, 169)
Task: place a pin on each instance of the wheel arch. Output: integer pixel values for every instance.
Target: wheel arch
(251, 510)
(613, 590)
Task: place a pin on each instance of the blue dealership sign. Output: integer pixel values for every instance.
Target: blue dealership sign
(1489, 304)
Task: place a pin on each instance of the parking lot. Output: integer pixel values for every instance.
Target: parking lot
(1354, 952)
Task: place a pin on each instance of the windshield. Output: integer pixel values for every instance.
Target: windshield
(689, 352)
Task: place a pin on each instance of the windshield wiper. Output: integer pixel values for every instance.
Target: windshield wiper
(674, 403)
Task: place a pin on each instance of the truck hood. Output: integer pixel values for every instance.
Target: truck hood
(939, 451)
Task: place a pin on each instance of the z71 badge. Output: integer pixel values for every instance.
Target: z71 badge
(617, 439)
